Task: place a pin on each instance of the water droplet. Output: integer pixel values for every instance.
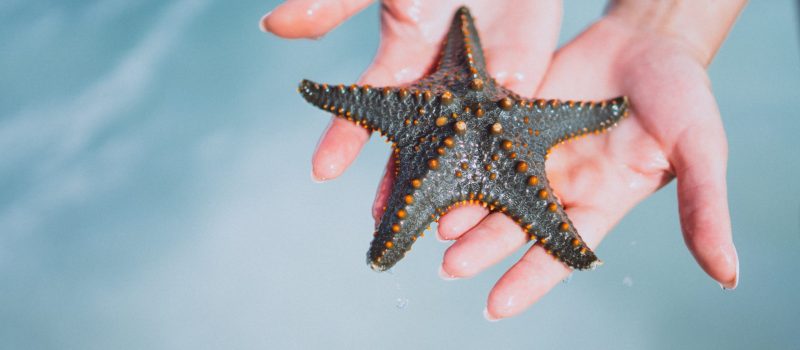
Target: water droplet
(567, 279)
(627, 281)
(401, 303)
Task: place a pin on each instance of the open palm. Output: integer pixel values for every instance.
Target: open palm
(674, 129)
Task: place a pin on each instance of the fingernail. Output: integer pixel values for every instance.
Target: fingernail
(316, 178)
(489, 316)
(446, 276)
(325, 166)
(731, 285)
(262, 24)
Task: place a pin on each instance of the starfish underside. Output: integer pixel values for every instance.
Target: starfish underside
(458, 137)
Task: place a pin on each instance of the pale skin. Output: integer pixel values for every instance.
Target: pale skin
(655, 52)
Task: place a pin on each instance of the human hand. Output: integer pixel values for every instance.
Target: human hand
(661, 75)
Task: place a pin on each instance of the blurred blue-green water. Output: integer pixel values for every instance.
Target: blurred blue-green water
(155, 193)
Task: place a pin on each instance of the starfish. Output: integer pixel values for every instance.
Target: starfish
(458, 137)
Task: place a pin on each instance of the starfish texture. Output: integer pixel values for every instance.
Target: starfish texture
(460, 138)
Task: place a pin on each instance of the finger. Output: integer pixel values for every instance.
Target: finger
(700, 159)
(309, 18)
(493, 239)
(525, 283)
(459, 220)
(537, 272)
(337, 148)
(384, 189)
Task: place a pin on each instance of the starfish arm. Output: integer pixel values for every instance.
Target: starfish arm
(421, 191)
(533, 206)
(388, 110)
(461, 57)
(407, 215)
(562, 120)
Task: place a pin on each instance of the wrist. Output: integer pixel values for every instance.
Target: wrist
(700, 25)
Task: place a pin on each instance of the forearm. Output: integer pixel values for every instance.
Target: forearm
(702, 25)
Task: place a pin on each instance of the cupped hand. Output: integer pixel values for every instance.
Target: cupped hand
(674, 130)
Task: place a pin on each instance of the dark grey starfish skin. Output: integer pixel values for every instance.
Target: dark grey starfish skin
(459, 137)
